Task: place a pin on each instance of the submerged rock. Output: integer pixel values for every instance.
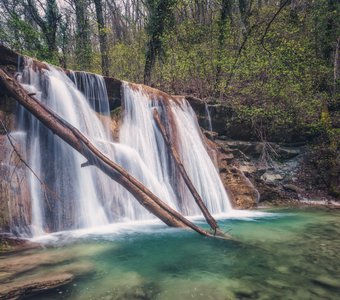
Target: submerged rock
(326, 281)
(27, 286)
(26, 273)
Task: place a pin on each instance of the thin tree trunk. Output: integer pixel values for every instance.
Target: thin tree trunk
(225, 11)
(83, 42)
(336, 66)
(210, 219)
(102, 37)
(149, 62)
(80, 143)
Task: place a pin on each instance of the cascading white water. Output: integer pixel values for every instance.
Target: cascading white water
(77, 203)
(196, 160)
(84, 196)
(140, 133)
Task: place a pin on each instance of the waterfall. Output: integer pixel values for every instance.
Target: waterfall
(77, 202)
(73, 196)
(140, 133)
(208, 116)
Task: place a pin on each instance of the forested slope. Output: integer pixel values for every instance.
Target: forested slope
(270, 69)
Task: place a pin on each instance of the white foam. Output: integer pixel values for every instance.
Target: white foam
(153, 226)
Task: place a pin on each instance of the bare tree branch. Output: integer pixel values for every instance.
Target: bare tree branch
(270, 23)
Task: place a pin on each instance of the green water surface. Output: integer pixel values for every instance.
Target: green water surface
(292, 255)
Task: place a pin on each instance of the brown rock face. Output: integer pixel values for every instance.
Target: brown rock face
(14, 188)
(116, 120)
(241, 191)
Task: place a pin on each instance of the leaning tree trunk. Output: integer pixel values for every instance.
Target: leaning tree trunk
(80, 143)
(211, 221)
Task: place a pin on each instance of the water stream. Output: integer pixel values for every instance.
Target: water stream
(208, 116)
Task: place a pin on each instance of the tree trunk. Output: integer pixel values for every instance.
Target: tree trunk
(225, 11)
(336, 67)
(149, 62)
(160, 13)
(211, 221)
(102, 37)
(48, 24)
(83, 42)
(80, 143)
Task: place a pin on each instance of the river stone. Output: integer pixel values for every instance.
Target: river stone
(282, 269)
(271, 177)
(292, 187)
(24, 263)
(326, 281)
(320, 292)
(81, 268)
(27, 286)
(277, 283)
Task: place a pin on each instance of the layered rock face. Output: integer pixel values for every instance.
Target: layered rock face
(274, 170)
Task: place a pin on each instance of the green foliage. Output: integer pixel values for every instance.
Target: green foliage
(24, 37)
(127, 61)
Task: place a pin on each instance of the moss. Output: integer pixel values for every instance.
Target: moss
(116, 112)
(4, 246)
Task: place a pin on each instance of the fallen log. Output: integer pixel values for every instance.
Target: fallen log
(80, 143)
(209, 218)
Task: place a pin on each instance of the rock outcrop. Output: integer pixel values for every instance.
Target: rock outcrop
(275, 175)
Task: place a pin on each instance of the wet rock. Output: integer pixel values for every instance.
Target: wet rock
(78, 268)
(285, 152)
(129, 285)
(10, 244)
(269, 192)
(240, 189)
(210, 134)
(115, 122)
(274, 176)
(255, 149)
(270, 177)
(277, 283)
(319, 292)
(29, 286)
(227, 157)
(24, 263)
(282, 269)
(328, 282)
(15, 205)
(292, 187)
(252, 149)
